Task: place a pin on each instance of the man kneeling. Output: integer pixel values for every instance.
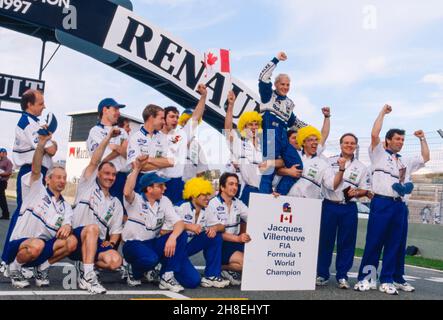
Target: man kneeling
(42, 235)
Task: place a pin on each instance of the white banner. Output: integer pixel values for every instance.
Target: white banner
(282, 255)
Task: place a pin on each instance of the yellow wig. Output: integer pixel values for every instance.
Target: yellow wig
(196, 187)
(306, 132)
(184, 118)
(249, 117)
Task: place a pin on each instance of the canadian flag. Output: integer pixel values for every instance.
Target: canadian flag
(286, 218)
(218, 60)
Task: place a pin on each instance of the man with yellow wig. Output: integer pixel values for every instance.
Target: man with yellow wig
(205, 231)
(246, 148)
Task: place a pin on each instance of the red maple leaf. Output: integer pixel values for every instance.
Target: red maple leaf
(211, 59)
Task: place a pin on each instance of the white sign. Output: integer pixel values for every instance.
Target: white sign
(282, 255)
(77, 160)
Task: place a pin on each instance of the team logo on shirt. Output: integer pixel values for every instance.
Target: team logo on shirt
(142, 141)
(47, 200)
(176, 139)
(59, 222)
(353, 176)
(110, 212)
(220, 209)
(188, 217)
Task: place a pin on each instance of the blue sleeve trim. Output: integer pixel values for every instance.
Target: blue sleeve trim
(23, 122)
(265, 90)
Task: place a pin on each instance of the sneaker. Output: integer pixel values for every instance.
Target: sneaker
(406, 287)
(171, 284)
(153, 276)
(28, 273)
(41, 277)
(320, 281)
(130, 280)
(214, 282)
(373, 285)
(362, 286)
(18, 280)
(90, 282)
(124, 270)
(343, 284)
(4, 268)
(233, 277)
(388, 288)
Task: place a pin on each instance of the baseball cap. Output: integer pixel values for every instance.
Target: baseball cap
(3, 150)
(109, 102)
(151, 178)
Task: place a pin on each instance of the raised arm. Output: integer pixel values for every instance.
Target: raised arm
(97, 156)
(338, 179)
(265, 82)
(425, 152)
(378, 125)
(128, 190)
(37, 159)
(229, 116)
(200, 108)
(325, 130)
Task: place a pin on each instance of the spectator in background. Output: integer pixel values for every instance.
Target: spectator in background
(426, 214)
(5, 174)
(123, 123)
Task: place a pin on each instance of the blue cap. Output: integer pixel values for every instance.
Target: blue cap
(109, 102)
(3, 150)
(150, 178)
(51, 123)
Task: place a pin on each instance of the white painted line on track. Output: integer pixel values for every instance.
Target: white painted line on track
(140, 293)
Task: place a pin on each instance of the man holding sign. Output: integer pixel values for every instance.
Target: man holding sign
(233, 214)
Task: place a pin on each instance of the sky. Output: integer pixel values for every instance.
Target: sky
(353, 56)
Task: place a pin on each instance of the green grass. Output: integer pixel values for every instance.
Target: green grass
(414, 261)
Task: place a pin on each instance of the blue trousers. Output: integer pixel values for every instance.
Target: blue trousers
(174, 190)
(387, 232)
(247, 190)
(276, 146)
(145, 255)
(291, 158)
(23, 171)
(211, 248)
(338, 221)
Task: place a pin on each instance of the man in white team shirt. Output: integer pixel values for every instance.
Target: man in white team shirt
(205, 231)
(109, 113)
(233, 214)
(43, 234)
(315, 166)
(387, 225)
(178, 141)
(97, 215)
(26, 139)
(348, 181)
(149, 141)
(154, 233)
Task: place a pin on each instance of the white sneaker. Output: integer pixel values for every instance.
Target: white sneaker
(130, 280)
(320, 281)
(373, 285)
(406, 287)
(3, 267)
(388, 288)
(18, 280)
(214, 282)
(171, 285)
(90, 282)
(233, 277)
(362, 286)
(152, 276)
(28, 273)
(343, 284)
(41, 277)
(124, 270)
(6, 270)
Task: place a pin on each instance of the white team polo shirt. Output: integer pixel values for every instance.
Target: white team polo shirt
(386, 168)
(145, 221)
(229, 217)
(142, 143)
(26, 140)
(356, 175)
(41, 215)
(309, 184)
(177, 141)
(96, 136)
(249, 157)
(187, 213)
(93, 207)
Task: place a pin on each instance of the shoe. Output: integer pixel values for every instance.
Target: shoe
(79, 269)
(4, 269)
(320, 281)
(124, 270)
(28, 273)
(18, 280)
(214, 282)
(41, 277)
(90, 282)
(362, 286)
(171, 284)
(130, 280)
(388, 288)
(233, 277)
(343, 284)
(153, 276)
(406, 287)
